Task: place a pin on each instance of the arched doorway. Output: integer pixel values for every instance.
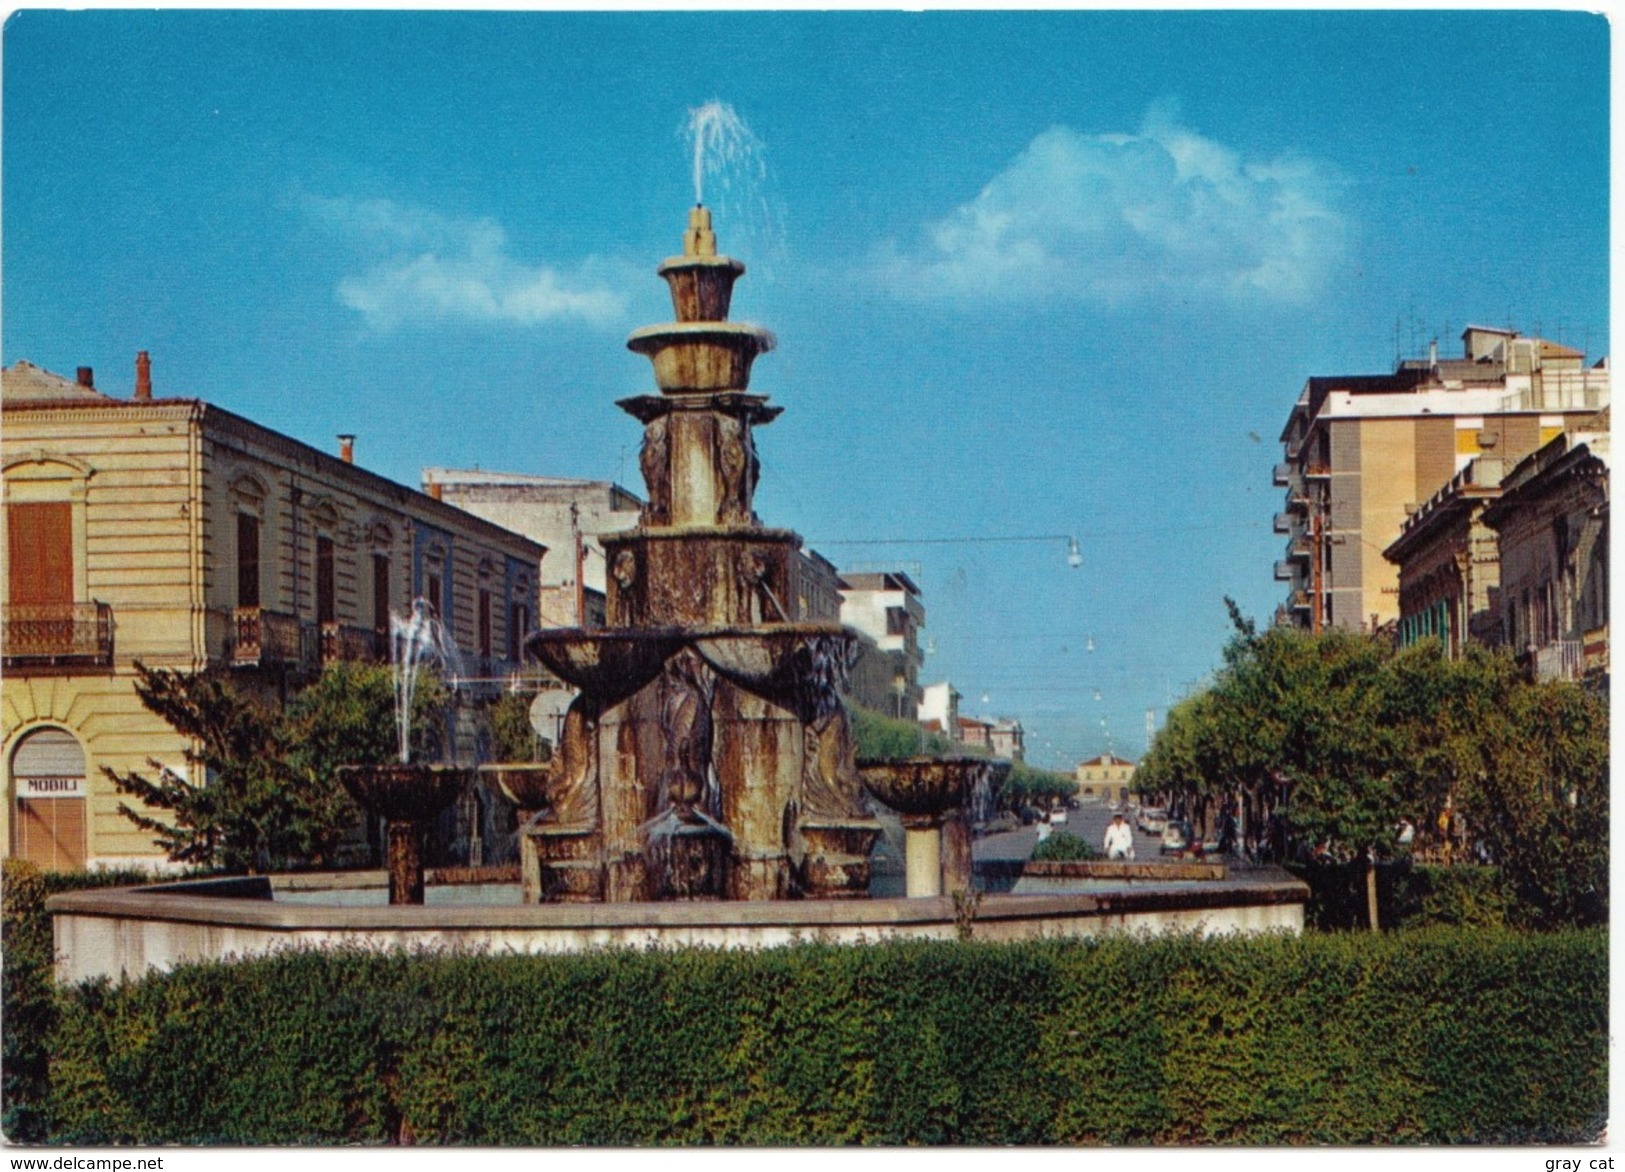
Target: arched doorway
(48, 779)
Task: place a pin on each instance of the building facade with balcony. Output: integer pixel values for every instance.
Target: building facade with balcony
(172, 532)
(1449, 563)
(885, 608)
(1364, 451)
(1552, 521)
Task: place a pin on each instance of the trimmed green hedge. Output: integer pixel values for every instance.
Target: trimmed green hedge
(1423, 1037)
(28, 1009)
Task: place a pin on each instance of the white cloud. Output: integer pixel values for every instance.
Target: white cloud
(428, 266)
(1115, 218)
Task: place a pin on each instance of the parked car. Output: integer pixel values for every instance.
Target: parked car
(1176, 836)
(1057, 817)
(1152, 820)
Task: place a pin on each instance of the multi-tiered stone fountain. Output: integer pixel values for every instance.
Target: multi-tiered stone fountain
(708, 755)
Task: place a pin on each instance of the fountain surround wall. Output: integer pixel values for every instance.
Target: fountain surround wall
(708, 755)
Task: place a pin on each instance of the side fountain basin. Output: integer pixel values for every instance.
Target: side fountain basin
(921, 786)
(529, 785)
(405, 793)
(701, 357)
(408, 797)
(930, 795)
(837, 862)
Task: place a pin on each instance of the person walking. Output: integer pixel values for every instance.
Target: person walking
(1119, 843)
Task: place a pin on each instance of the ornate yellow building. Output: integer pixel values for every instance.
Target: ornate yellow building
(174, 533)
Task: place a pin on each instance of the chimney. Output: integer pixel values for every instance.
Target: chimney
(434, 489)
(87, 377)
(143, 376)
(347, 448)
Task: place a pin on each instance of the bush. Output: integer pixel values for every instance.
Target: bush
(27, 1009)
(1447, 1036)
(1062, 847)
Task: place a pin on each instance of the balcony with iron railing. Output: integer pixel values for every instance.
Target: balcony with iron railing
(61, 636)
(268, 638)
(354, 644)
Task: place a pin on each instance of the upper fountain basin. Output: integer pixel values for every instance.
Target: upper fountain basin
(405, 793)
(703, 356)
(701, 286)
(925, 785)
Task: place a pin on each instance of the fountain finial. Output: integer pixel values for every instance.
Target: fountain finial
(699, 240)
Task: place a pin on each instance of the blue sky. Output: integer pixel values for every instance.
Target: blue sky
(1031, 274)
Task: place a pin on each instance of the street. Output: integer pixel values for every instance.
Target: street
(1088, 822)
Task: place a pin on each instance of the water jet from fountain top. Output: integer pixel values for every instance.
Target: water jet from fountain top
(720, 140)
(416, 642)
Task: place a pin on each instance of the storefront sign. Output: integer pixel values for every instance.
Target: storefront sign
(50, 787)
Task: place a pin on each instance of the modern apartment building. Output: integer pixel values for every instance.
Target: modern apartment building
(1364, 451)
(939, 709)
(173, 532)
(886, 609)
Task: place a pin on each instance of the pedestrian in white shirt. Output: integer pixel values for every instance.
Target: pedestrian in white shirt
(1119, 842)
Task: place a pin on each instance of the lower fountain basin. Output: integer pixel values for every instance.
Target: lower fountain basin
(777, 659)
(607, 664)
(405, 793)
(125, 932)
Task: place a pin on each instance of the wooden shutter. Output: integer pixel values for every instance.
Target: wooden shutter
(40, 546)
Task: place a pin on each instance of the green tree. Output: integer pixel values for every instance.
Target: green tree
(261, 789)
(1355, 735)
(512, 736)
(239, 805)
